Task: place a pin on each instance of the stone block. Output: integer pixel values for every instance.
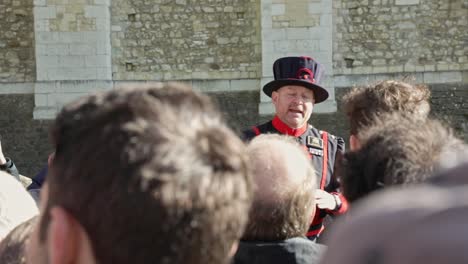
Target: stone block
(116, 28)
(46, 37)
(71, 61)
(81, 49)
(316, 33)
(97, 12)
(17, 88)
(406, 2)
(65, 98)
(40, 2)
(103, 61)
(103, 24)
(274, 34)
(105, 74)
(451, 77)
(211, 85)
(397, 68)
(44, 113)
(316, 8)
(69, 37)
(85, 86)
(40, 99)
(329, 106)
(281, 46)
(47, 61)
(103, 44)
(47, 12)
(245, 85)
(55, 49)
(42, 25)
(326, 44)
(51, 100)
(278, 9)
(297, 33)
(431, 77)
(45, 87)
(266, 108)
(102, 2)
(409, 68)
(326, 20)
(307, 46)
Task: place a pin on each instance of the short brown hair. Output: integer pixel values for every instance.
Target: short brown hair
(13, 246)
(152, 174)
(282, 208)
(362, 103)
(396, 150)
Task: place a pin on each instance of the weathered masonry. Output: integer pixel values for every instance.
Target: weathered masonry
(52, 51)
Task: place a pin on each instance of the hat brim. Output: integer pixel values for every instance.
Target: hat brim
(320, 94)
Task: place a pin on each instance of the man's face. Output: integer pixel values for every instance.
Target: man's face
(36, 251)
(293, 104)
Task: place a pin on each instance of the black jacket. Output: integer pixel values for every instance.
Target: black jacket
(312, 139)
(297, 250)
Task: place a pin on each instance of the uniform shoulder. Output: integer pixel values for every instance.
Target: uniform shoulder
(334, 139)
(254, 131)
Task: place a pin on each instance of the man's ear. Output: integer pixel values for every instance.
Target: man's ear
(354, 143)
(62, 237)
(274, 97)
(234, 248)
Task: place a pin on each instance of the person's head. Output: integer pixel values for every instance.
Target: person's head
(425, 223)
(362, 103)
(16, 205)
(396, 150)
(142, 175)
(285, 184)
(13, 246)
(293, 105)
(295, 89)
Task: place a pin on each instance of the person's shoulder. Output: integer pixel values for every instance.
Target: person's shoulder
(331, 138)
(256, 130)
(334, 140)
(248, 134)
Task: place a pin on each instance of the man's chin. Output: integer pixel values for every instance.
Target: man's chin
(296, 122)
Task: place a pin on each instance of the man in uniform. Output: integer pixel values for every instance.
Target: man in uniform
(294, 92)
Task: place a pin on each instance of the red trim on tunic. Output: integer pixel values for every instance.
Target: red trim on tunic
(325, 160)
(285, 129)
(256, 130)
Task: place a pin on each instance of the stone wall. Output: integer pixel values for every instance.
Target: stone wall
(383, 36)
(23, 139)
(297, 28)
(26, 140)
(17, 61)
(185, 39)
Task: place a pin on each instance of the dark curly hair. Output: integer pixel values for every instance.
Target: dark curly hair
(396, 150)
(361, 103)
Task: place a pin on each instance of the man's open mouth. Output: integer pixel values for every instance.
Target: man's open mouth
(296, 111)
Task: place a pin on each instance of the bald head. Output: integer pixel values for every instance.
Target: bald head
(284, 195)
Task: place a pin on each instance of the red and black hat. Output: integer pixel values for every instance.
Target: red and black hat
(302, 71)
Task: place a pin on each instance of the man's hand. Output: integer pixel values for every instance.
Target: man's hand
(325, 200)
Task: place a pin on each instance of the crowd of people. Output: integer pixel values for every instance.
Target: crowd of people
(152, 174)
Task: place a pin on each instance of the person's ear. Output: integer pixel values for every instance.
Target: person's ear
(234, 248)
(62, 236)
(50, 159)
(354, 143)
(274, 97)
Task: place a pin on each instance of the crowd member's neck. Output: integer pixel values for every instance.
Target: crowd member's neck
(283, 128)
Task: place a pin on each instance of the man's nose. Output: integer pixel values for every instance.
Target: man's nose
(298, 99)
